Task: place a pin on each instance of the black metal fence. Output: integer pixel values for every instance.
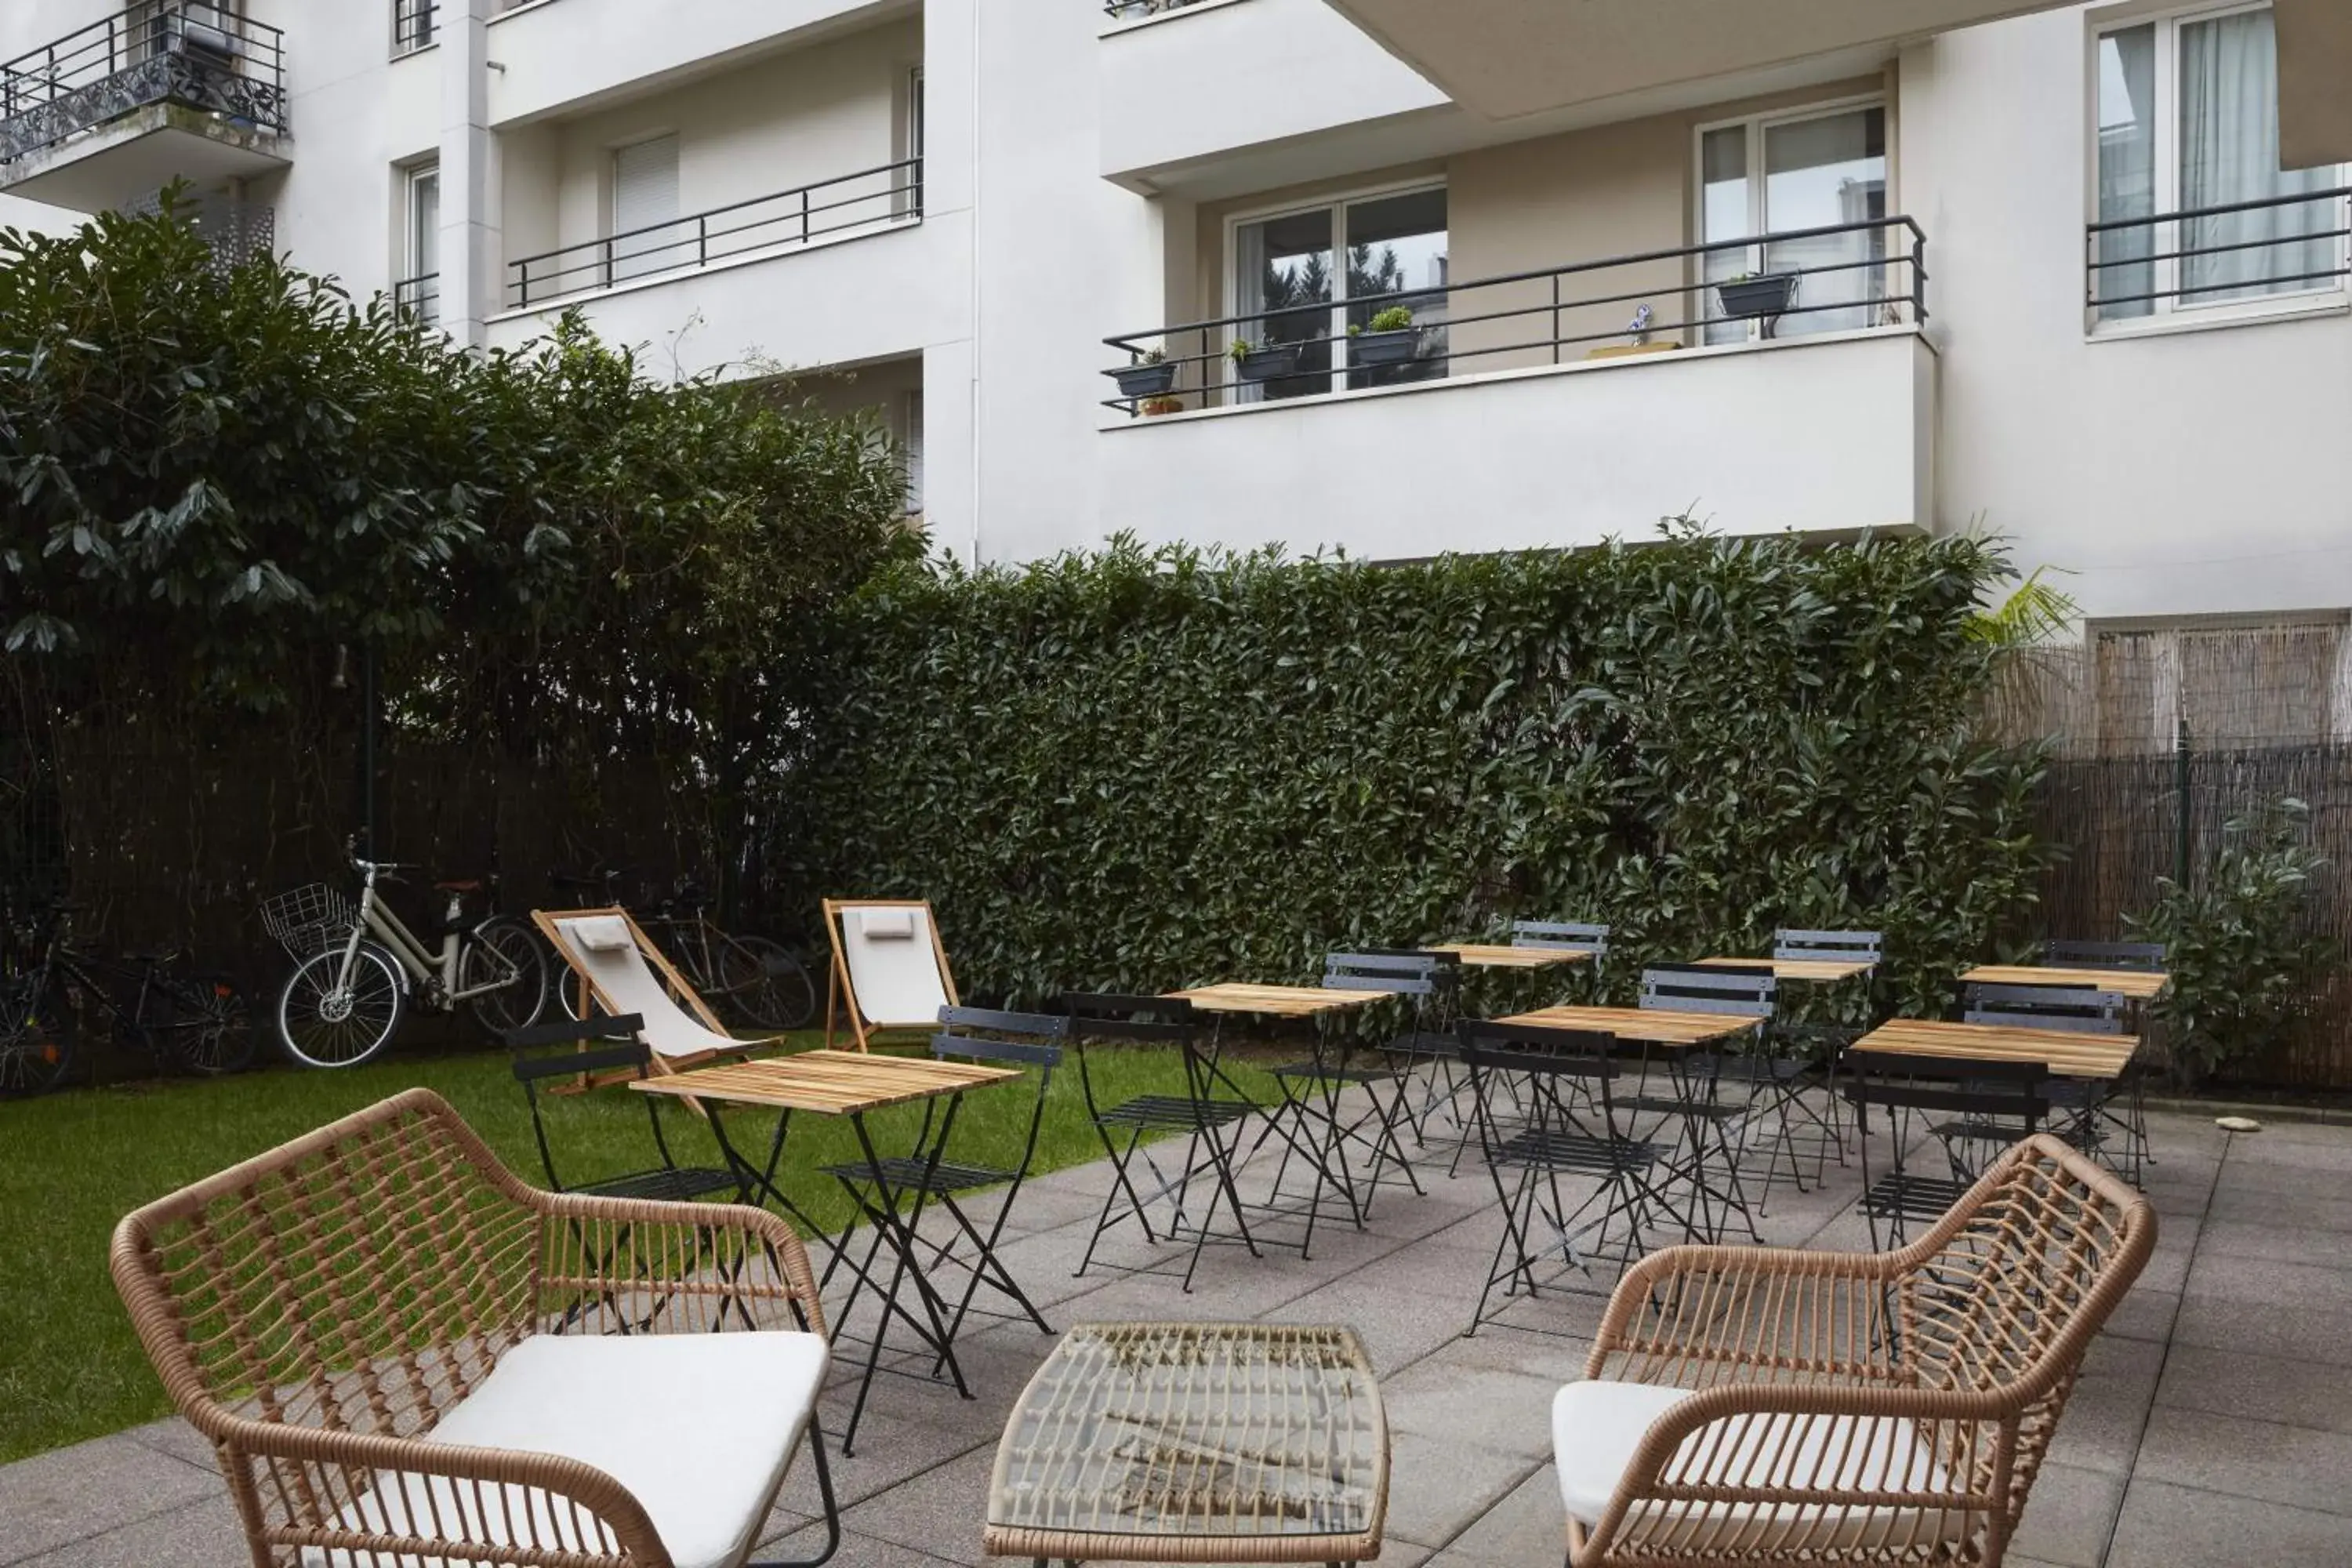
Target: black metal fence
(205, 57)
(1837, 277)
(871, 199)
(420, 296)
(1126, 9)
(2138, 267)
(415, 23)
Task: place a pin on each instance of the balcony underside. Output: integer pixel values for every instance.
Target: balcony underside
(1827, 434)
(1508, 58)
(139, 150)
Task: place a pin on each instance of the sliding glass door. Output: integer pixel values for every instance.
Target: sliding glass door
(1781, 175)
(1309, 286)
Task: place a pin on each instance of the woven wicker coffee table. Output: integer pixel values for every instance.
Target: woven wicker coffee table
(1194, 1443)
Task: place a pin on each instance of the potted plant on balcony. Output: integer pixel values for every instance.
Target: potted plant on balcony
(1264, 362)
(1151, 375)
(1389, 338)
(1758, 295)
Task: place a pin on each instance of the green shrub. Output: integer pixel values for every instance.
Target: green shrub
(1156, 766)
(2245, 964)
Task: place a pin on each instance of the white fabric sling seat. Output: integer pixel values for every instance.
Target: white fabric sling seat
(604, 948)
(888, 965)
(698, 1427)
(1598, 1425)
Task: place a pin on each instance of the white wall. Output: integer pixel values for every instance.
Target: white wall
(2195, 472)
(1830, 433)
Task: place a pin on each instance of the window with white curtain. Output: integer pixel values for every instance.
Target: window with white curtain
(2186, 122)
(1781, 173)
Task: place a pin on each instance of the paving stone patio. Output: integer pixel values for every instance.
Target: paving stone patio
(2213, 1426)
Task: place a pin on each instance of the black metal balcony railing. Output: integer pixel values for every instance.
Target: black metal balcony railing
(420, 296)
(1836, 278)
(1124, 9)
(415, 23)
(2203, 256)
(203, 56)
(872, 199)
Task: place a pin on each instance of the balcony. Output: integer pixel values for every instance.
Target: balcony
(871, 201)
(169, 89)
(1783, 382)
(1218, 96)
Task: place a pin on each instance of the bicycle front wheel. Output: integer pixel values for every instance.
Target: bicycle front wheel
(762, 985)
(202, 1023)
(37, 1043)
(506, 955)
(328, 1019)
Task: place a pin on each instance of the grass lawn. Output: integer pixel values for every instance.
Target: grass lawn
(73, 1164)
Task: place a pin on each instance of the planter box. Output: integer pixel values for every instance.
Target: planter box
(1753, 297)
(1269, 363)
(1145, 380)
(1384, 348)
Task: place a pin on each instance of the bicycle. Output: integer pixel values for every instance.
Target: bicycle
(751, 982)
(197, 1022)
(355, 968)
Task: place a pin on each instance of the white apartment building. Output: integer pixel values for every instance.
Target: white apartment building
(1819, 265)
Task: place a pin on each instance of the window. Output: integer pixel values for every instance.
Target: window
(644, 209)
(413, 25)
(420, 288)
(1390, 253)
(2187, 122)
(1772, 174)
(907, 183)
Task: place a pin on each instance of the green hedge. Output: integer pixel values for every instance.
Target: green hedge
(1152, 767)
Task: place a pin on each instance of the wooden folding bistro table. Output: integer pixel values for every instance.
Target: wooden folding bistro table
(2067, 1053)
(2132, 985)
(1494, 956)
(1818, 971)
(854, 1085)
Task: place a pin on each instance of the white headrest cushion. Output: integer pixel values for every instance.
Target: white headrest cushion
(887, 926)
(601, 933)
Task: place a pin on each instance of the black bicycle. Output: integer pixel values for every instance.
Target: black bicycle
(751, 982)
(186, 1020)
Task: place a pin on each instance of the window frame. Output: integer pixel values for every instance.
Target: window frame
(2168, 312)
(412, 260)
(1755, 125)
(1337, 204)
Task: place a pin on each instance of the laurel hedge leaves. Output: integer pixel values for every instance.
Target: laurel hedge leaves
(1150, 767)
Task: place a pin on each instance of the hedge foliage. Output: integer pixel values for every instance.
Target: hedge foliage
(1150, 767)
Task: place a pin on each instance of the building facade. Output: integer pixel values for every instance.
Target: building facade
(1940, 265)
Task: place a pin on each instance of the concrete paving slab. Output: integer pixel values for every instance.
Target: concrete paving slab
(2167, 1526)
(200, 1534)
(2071, 1515)
(74, 1494)
(2294, 1466)
(2257, 1387)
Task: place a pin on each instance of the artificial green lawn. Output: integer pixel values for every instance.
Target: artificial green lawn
(73, 1164)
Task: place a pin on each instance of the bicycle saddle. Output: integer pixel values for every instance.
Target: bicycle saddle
(464, 885)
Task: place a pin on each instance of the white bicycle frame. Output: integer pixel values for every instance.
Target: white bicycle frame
(420, 962)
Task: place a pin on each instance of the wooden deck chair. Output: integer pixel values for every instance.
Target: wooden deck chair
(623, 973)
(889, 973)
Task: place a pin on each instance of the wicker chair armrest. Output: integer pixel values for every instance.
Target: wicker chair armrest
(697, 1262)
(1702, 1315)
(293, 1484)
(1712, 1469)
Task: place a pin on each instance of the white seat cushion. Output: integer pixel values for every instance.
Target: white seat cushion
(1597, 1425)
(699, 1428)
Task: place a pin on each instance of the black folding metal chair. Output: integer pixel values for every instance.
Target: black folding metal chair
(1563, 936)
(2090, 1109)
(1569, 1128)
(1710, 1128)
(616, 1049)
(2145, 957)
(994, 1038)
(1804, 1060)
(1984, 1105)
(1209, 1123)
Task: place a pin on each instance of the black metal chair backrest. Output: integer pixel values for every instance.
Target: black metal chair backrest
(2079, 1008)
(621, 1051)
(1408, 974)
(1565, 936)
(1133, 1019)
(993, 1037)
(1540, 1049)
(1850, 946)
(1744, 990)
(2146, 956)
(1967, 1086)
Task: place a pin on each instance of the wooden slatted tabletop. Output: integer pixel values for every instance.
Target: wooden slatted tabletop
(2139, 985)
(1654, 1026)
(1488, 955)
(1276, 1001)
(2066, 1052)
(1822, 970)
(829, 1083)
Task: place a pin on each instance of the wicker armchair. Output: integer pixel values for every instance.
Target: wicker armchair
(1746, 1406)
(402, 1354)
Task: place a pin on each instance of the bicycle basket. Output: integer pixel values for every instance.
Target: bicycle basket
(308, 919)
